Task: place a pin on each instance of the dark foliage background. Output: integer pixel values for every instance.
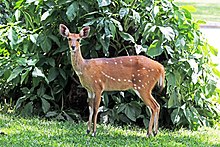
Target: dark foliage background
(36, 76)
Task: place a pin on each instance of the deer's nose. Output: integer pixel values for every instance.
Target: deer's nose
(73, 47)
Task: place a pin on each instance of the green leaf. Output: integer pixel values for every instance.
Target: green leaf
(47, 97)
(136, 16)
(117, 24)
(103, 3)
(133, 110)
(17, 14)
(28, 19)
(171, 82)
(112, 29)
(155, 49)
(38, 73)
(175, 116)
(53, 73)
(121, 107)
(46, 44)
(32, 62)
(51, 114)
(105, 41)
(106, 28)
(123, 12)
(20, 101)
(22, 61)
(45, 15)
(55, 39)
(168, 33)
(216, 72)
(28, 109)
(124, 118)
(127, 37)
(45, 105)
(25, 74)
(63, 74)
(90, 22)
(51, 62)
(174, 99)
(190, 8)
(213, 50)
(72, 11)
(33, 38)
(15, 73)
(41, 91)
(12, 36)
(105, 99)
(18, 4)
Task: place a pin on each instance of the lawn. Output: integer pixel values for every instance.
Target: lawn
(205, 9)
(17, 131)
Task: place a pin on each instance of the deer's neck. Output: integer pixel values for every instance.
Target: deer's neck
(77, 60)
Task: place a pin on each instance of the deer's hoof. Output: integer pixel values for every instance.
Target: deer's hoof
(149, 135)
(155, 133)
(87, 131)
(93, 134)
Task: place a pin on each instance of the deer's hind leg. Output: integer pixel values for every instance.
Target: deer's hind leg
(149, 100)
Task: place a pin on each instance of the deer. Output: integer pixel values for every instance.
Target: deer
(96, 75)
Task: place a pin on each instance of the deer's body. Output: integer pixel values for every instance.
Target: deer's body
(115, 74)
(132, 73)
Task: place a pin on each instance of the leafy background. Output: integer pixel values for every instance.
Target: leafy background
(36, 77)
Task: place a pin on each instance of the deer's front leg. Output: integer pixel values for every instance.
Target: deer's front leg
(96, 108)
(91, 97)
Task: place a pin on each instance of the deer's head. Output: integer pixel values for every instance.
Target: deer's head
(74, 39)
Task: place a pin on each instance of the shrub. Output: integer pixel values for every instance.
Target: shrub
(35, 65)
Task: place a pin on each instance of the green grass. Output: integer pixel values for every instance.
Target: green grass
(16, 131)
(205, 10)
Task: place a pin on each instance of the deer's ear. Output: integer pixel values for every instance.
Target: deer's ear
(84, 32)
(64, 31)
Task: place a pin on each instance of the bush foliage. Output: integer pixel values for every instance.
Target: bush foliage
(36, 75)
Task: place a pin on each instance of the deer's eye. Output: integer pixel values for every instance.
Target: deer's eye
(77, 40)
(69, 39)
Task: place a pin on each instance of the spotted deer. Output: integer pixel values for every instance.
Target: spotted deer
(138, 73)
